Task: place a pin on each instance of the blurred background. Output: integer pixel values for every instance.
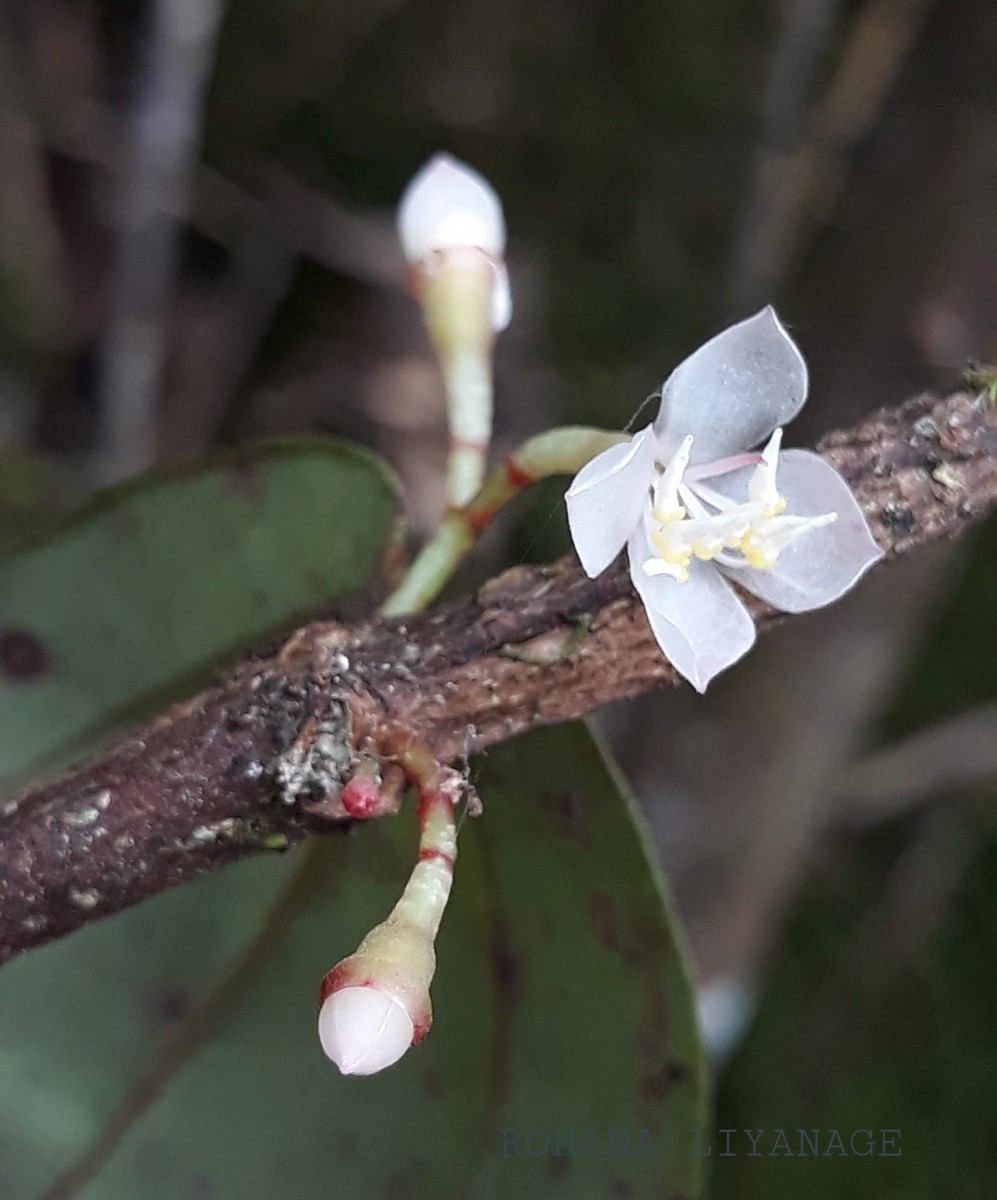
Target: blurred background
(197, 250)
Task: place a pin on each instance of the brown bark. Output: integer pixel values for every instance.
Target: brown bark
(256, 761)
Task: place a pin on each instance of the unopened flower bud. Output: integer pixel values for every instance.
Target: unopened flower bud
(375, 1004)
(363, 1030)
(361, 797)
(449, 206)
(453, 234)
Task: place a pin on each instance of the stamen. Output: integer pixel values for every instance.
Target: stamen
(658, 566)
(668, 518)
(753, 528)
(707, 547)
(766, 540)
(672, 550)
(762, 486)
(666, 491)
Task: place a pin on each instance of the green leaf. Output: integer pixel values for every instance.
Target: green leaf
(877, 1012)
(150, 588)
(563, 1012)
(947, 673)
(35, 495)
(875, 1019)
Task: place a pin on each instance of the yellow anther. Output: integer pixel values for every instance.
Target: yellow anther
(761, 560)
(656, 566)
(705, 550)
(668, 518)
(678, 556)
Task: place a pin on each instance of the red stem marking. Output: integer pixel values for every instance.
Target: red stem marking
(517, 477)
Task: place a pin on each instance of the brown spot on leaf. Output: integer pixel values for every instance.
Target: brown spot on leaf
(23, 656)
(546, 927)
(508, 968)
(432, 1084)
(171, 1006)
(621, 1189)
(655, 1085)
(348, 1144)
(558, 1166)
(677, 1072)
(408, 1183)
(603, 918)
(248, 480)
(573, 812)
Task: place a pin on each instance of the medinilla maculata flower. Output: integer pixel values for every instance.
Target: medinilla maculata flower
(698, 507)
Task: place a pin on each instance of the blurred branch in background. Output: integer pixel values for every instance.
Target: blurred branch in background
(767, 214)
(219, 328)
(31, 265)
(804, 151)
(950, 759)
(162, 145)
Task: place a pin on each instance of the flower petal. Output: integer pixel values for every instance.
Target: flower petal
(734, 391)
(607, 497)
(824, 564)
(700, 625)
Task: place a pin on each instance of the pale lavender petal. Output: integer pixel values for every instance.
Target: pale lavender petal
(734, 391)
(607, 497)
(700, 625)
(824, 564)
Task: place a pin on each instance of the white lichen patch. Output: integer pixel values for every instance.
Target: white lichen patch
(202, 835)
(947, 478)
(316, 763)
(80, 818)
(205, 835)
(87, 898)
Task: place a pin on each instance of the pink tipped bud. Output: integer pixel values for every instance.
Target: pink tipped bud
(361, 797)
(448, 206)
(375, 1004)
(363, 1030)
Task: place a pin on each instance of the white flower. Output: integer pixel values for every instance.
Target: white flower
(363, 1030)
(448, 210)
(694, 509)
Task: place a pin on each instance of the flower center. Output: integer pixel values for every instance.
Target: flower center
(688, 519)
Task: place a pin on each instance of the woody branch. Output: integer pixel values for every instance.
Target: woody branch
(257, 761)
